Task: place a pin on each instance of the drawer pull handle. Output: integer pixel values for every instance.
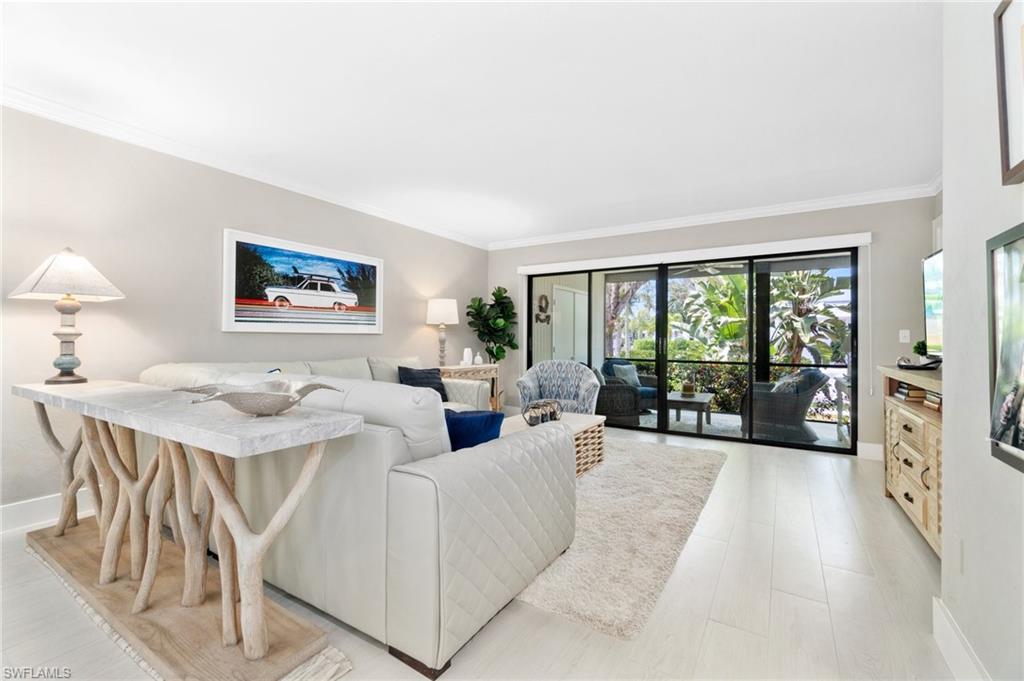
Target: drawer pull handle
(926, 469)
(906, 495)
(908, 463)
(908, 428)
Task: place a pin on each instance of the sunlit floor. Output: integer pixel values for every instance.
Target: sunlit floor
(730, 425)
(798, 568)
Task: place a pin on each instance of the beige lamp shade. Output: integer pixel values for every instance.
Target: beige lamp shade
(67, 273)
(442, 311)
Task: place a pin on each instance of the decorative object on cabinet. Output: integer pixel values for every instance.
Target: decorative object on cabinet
(260, 399)
(1006, 342)
(1009, 24)
(441, 312)
(277, 285)
(913, 448)
(69, 279)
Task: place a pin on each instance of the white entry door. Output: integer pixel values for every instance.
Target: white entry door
(569, 324)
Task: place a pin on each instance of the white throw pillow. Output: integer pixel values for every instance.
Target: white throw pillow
(627, 372)
(386, 368)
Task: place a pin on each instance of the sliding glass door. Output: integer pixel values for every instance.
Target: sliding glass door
(803, 350)
(708, 347)
(629, 334)
(759, 349)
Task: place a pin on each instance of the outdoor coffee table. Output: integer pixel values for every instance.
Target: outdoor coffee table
(698, 402)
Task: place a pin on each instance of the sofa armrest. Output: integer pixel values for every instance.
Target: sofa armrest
(469, 530)
(648, 380)
(474, 393)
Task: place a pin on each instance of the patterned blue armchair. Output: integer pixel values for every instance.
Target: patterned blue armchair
(572, 384)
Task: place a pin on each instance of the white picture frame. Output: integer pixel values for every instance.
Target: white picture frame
(285, 286)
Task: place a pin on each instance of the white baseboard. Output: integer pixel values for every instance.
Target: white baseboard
(954, 646)
(871, 451)
(39, 511)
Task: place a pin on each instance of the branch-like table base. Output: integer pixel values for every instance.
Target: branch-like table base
(178, 642)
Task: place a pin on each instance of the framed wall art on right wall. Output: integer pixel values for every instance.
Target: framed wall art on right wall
(1006, 338)
(1009, 39)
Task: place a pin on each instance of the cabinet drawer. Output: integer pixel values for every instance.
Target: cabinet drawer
(911, 460)
(910, 428)
(913, 500)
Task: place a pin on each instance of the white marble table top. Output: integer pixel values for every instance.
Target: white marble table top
(213, 426)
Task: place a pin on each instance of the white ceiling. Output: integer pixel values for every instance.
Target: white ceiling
(498, 124)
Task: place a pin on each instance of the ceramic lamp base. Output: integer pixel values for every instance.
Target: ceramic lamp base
(66, 363)
(70, 377)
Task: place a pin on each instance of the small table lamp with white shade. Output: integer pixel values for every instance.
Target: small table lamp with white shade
(442, 311)
(67, 278)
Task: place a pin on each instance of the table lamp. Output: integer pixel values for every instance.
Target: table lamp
(442, 311)
(67, 278)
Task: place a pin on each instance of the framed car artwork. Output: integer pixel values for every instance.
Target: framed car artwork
(274, 285)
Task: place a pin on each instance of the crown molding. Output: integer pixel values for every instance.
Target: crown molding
(844, 201)
(747, 250)
(77, 118)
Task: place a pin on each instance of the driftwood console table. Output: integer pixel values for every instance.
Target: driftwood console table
(157, 598)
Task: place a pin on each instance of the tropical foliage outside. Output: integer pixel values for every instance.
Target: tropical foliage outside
(708, 321)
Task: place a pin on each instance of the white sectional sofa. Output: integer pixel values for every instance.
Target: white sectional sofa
(462, 394)
(399, 537)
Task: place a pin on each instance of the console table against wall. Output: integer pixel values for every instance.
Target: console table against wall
(478, 372)
(156, 599)
(913, 452)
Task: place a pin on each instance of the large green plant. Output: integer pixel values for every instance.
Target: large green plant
(494, 323)
(804, 317)
(713, 316)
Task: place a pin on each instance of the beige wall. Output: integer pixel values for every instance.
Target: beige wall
(983, 512)
(901, 233)
(153, 225)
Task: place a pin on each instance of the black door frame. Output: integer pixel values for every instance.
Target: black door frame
(661, 360)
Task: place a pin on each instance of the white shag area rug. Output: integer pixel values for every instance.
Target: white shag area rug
(634, 512)
(330, 664)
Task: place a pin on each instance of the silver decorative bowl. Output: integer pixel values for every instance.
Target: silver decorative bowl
(259, 399)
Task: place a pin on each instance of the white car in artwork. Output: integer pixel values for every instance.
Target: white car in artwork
(312, 291)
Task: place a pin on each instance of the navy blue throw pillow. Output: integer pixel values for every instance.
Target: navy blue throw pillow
(423, 378)
(472, 428)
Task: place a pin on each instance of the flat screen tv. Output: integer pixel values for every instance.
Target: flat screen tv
(932, 266)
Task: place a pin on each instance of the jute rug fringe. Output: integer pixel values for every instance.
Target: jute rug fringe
(329, 664)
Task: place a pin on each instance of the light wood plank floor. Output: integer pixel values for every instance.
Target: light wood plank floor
(798, 568)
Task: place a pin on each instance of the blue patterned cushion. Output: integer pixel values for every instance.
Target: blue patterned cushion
(627, 372)
(471, 428)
